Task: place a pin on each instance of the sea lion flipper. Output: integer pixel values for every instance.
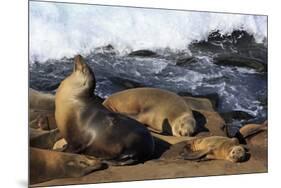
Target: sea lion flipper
(252, 129)
(194, 155)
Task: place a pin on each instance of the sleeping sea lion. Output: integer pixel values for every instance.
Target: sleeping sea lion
(161, 110)
(46, 165)
(89, 128)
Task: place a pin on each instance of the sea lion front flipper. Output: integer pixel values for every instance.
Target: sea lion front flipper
(194, 155)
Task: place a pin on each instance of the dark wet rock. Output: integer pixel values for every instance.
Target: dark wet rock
(45, 85)
(239, 61)
(236, 115)
(125, 83)
(238, 41)
(108, 49)
(213, 97)
(143, 53)
(99, 99)
(185, 60)
(257, 51)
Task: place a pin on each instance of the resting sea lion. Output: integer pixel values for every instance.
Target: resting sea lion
(43, 139)
(156, 108)
(252, 129)
(46, 165)
(215, 147)
(42, 119)
(89, 128)
(42, 101)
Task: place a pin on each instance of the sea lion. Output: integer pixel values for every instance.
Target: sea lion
(162, 110)
(42, 101)
(252, 129)
(215, 147)
(89, 128)
(46, 165)
(42, 119)
(43, 139)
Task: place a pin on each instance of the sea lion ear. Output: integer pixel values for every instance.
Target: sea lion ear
(78, 63)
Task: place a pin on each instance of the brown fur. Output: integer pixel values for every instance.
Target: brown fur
(215, 147)
(43, 139)
(90, 128)
(42, 119)
(42, 101)
(155, 108)
(252, 129)
(46, 165)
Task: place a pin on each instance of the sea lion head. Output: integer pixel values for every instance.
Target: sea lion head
(184, 126)
(82, 165)
(237, 154)
(82, 77)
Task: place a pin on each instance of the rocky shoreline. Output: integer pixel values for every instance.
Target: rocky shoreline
(166, 162)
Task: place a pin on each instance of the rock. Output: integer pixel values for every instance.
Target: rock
(143, 53)
(199, 103)
(185, 60)
(108, 49)
(125, 83)
(239, 61)
(236, 115)
(212, 97)
(257, 51)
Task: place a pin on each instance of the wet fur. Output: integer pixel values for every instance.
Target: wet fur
(90, 128)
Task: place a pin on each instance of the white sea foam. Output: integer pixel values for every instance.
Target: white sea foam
(62, 30)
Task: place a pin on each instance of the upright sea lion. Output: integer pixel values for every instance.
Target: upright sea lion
(162, 110)
(89, 128)
(46, 165)
(215, 147)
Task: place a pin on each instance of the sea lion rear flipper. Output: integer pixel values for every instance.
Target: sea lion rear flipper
(124, 159)
(194, 155)
(188, 154)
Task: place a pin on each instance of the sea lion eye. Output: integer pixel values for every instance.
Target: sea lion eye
(83, 164)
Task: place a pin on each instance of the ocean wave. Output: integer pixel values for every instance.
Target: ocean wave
(62, 30)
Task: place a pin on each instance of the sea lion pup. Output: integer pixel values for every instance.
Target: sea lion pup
(42, 101)
(89, 128)
(215, 147)
(46, 165)
(162, 110)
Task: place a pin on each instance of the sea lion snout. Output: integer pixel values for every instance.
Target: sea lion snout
(184, 126)
(237, 154)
